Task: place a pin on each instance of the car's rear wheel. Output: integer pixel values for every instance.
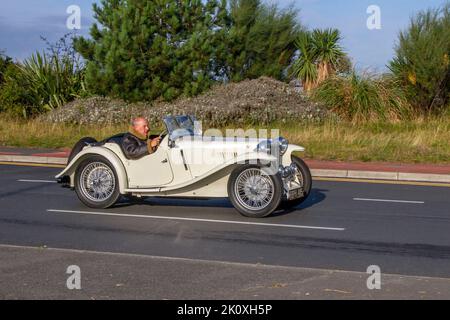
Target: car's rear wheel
(303, 176)
(96, 183)
(253, 191)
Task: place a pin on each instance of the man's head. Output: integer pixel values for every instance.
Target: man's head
(140, 125)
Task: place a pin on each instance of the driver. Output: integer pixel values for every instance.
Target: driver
(135, 143)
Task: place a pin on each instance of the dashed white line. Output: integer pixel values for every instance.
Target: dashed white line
(41, 181)
(388, 200)
(196, 219)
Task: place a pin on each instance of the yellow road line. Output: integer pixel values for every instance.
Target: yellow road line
(411, 183)
(26, 164)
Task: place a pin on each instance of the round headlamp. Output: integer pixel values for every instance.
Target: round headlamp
(264, 146)
(283, 143)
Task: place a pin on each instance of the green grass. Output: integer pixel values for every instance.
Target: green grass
(414, 141)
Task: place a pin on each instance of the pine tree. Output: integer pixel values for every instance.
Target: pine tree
(143, 50)
(147, 49)
(261, 40)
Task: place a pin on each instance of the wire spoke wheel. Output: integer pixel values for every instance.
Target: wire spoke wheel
(97, 182)
(299, 178)
(254, 190)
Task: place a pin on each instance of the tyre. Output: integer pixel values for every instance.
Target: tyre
(96, 183)
(79, 146)
(304, 177)
(254, 192)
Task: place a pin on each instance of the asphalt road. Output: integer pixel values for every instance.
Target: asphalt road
(332, 238)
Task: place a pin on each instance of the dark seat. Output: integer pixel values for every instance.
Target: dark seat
(117, 139)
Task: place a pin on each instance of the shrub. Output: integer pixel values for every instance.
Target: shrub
(51, 81)
(42, 82)
(5, 61)
(363, 97)
(422, 62)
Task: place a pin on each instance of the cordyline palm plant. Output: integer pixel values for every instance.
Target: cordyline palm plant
(50, 80)
(304, 67)
(319, 54)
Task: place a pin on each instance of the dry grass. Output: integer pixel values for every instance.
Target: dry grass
(415, 141)
(16, 132)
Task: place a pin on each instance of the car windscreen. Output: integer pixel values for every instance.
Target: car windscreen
(180, 124)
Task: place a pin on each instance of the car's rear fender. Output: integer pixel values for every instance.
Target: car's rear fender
(109, 155)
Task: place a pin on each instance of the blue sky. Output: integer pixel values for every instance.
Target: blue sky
(22, 22)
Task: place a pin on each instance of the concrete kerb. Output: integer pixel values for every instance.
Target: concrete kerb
(33, 159)
(381, 175)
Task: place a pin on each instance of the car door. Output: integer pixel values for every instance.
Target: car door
(152, 170)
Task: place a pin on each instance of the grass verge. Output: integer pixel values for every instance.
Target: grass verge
(414, 141)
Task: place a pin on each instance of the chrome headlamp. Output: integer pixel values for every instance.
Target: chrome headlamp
(264, 146)
(283, 143)
(279, 143)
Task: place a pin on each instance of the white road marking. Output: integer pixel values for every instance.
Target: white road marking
(196, 219)
(386, 200)
(42, 181)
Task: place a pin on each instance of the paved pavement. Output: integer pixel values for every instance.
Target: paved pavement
(188, 249)
(41, 273)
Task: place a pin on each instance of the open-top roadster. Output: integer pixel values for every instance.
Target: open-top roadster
(257, 175)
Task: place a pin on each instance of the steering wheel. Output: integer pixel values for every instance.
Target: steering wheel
(164, 132)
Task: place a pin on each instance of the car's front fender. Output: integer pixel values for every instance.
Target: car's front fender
(101, 151)
(287, 160)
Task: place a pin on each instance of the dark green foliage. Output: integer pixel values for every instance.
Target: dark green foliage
(320, 56)
(261, 40)
(422, 60)
(147, 49)
(143, 50)
(11, 92)
(5, 61)
(363, 97)
(43, 81)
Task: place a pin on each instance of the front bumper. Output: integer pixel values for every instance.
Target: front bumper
(293, 188)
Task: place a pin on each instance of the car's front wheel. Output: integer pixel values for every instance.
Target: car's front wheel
(253, 191)
(96, 183)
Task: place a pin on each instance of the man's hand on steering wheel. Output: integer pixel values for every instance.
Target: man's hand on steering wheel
(155, 142)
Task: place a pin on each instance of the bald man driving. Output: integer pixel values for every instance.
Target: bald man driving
(135, 143)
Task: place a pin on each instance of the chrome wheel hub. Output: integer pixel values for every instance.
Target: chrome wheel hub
(254, 189)
(97, 181)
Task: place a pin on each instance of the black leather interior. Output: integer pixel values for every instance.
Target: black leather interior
(116, 139)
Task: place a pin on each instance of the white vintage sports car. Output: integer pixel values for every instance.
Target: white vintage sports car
(257, 175)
